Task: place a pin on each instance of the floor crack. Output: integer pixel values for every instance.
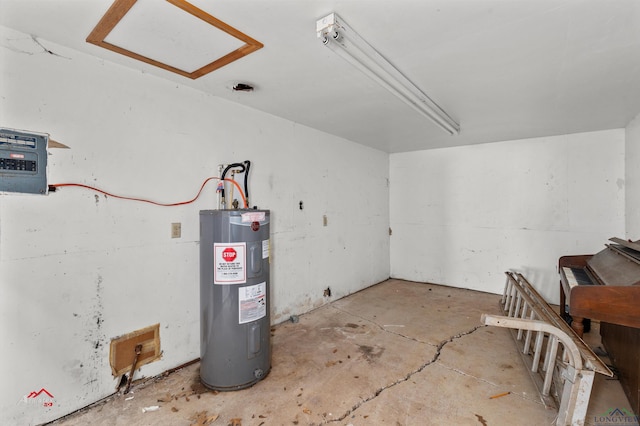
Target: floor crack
(408, 376)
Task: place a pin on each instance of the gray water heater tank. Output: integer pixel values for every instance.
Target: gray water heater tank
(235, 335)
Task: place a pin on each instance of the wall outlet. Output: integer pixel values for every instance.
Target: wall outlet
(176, 230)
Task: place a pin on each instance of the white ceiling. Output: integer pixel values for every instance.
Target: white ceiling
(504, 69)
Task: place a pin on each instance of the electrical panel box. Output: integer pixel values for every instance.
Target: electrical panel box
(23, 161)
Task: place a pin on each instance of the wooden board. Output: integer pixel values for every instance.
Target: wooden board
(122, 349)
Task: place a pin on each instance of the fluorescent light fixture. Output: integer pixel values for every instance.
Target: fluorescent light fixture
(344, 41)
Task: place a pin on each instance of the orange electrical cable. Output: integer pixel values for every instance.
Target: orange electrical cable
(122, 197)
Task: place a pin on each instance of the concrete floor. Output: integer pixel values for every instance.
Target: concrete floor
(398, 353)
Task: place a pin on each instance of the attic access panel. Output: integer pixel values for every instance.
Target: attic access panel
(173, 35)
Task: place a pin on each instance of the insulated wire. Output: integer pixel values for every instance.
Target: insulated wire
(60, 185)
(229, 167)
(247, 164)
(233, 178)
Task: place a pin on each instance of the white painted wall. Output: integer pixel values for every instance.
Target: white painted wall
(632, 170)
(78, 268)
(462, 216)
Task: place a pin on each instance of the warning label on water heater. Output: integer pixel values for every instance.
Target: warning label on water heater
(230, 263)
(252, 302)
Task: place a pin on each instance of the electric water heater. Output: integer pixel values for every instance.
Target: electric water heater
(235, 338)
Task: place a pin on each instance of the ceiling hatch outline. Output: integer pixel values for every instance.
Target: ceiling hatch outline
(190, 44)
